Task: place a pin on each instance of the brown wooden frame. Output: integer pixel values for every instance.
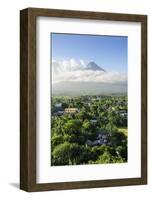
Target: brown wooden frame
(28, 98)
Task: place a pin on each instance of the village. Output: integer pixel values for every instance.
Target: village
(98, 109)
(58, 108)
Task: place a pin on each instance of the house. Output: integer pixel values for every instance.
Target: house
(58, 105)
(89, 104)
(109, 109)
(123, 113)
(96, 142)
(71, 110)
(98, 97)
(118, 153)
(93, 121)
(93, 143)
(93, 99)
(58, 113)
(102, 135)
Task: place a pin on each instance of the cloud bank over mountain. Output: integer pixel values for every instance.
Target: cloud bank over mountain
(79, 71)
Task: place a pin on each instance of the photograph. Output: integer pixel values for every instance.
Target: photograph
(89, 99)
(83, 99)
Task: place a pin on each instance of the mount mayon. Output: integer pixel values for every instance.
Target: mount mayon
(74, 88)
(94, 67)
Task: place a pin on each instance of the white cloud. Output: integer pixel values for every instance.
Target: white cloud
(75, 71)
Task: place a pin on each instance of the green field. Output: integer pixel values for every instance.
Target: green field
(123, 130)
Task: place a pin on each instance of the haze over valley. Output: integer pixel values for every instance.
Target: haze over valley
(74, 78)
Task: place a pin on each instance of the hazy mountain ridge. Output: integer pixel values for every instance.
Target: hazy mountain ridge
(87, 88)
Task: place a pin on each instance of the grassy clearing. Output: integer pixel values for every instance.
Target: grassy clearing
(123, 130)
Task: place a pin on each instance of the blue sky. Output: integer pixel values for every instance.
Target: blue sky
(109, 52)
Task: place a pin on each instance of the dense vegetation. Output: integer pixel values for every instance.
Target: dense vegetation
(95, 131)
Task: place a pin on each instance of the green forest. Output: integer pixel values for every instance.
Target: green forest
(88, 130)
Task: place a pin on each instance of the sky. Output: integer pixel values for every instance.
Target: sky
(109, 52)
(72, 52)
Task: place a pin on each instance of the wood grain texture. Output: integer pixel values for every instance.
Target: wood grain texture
(28, 98)
(86, 15)
(27, 101)
(144, 99)
(24, 182)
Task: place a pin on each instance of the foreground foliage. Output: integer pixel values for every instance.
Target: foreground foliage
(73, 135)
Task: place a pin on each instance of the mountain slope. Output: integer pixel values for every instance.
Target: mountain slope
(93, 66)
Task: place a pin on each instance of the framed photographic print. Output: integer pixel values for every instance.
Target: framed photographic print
(83, 93)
